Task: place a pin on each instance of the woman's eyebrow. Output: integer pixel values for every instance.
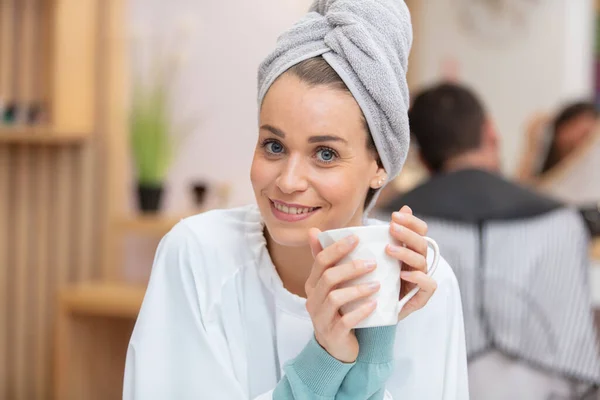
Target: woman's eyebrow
(312, 139)
(326, 138)
(273, 130)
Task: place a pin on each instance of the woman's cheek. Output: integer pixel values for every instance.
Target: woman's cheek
(334, 186)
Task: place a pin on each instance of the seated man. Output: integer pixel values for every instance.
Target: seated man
(520, 258)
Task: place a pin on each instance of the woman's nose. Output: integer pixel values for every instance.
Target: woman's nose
(293, 176)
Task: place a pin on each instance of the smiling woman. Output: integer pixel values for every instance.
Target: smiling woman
(245, 303)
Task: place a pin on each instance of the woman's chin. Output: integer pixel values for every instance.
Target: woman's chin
(296, 237)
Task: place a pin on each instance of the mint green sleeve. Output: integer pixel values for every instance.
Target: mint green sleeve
(313, 375)
(374, 365)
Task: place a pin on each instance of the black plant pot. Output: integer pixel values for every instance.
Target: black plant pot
(199, 190)
(149, 197)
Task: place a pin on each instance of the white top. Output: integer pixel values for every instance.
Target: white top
(217, 323)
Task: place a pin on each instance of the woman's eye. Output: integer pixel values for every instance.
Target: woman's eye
(274, 147)
(326, 155)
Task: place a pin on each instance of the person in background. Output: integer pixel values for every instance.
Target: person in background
(244, 303)
(550, 143)
(520, 258)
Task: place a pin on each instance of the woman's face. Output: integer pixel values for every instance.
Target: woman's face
(573, 133)
(311, 165)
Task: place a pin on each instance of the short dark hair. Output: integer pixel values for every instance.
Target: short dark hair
(567, 114)
(446, 120)
(317, 72)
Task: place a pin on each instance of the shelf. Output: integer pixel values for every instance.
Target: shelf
(148, 224)
(37, 135)
(595, 250)
(103, 299)
(153, 224)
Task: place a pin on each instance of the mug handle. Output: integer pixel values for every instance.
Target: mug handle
(430, 271)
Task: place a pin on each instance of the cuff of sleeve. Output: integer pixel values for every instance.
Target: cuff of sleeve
(318, 370)
(376, 344)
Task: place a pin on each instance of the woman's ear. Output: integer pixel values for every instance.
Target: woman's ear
(379, 179)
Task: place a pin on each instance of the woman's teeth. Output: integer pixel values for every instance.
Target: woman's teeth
(293, 210)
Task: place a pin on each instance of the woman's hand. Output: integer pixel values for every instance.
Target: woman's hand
(409, 230)
(333, 331)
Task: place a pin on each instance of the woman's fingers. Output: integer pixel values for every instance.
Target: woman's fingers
(328, 312)
(427, 287)
(350, 320)
(406, 219)
(330, 256)
(425, 282)
(411, 239)
(334, 276)
(407, 256)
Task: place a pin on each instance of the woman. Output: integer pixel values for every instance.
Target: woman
(571, 128)
(244, 303)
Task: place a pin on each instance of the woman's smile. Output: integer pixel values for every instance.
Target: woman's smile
(291, 212)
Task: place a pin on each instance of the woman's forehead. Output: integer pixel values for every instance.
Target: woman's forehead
(293, 106)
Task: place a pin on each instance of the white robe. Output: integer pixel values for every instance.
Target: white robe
(217, 323)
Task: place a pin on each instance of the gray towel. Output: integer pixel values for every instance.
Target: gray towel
(367, 43)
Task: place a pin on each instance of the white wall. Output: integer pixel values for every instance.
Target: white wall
(218, 84)
(546, 64)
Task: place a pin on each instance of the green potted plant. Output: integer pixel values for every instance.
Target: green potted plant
(151, 145)
(154, 134)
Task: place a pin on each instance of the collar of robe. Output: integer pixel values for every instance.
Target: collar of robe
(473, 195)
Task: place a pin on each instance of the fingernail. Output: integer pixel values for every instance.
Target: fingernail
(396, 228)
(404, 274)
(393, 248)
(369, 264)
(350, 240)
(397, 216)
(373, 286)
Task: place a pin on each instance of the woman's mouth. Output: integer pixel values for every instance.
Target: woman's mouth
(291, 212)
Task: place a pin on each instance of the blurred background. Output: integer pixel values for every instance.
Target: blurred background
(118, 118)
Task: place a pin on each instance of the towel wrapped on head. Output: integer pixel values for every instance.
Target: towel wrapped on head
(367, 42)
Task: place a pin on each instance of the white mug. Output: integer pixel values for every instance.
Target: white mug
(372, 241)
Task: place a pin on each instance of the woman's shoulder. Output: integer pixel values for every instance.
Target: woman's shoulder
(214, 242)
(222, 228)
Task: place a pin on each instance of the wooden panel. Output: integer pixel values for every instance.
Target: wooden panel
(7, 27)
(62, 228)
(26, 58)
(74, 65)
(4, 301)
(53, 181)
(85, 213)
(116, 125)
(42, 272)
(22, 187)
(95, 321)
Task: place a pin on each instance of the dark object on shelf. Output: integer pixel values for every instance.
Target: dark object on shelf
(199, 190)
(10, 113)
(34, 113)
(149, 198)
(591, 216)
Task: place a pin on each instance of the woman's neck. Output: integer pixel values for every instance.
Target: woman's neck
(293, 264)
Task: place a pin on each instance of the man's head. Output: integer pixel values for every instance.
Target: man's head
(452, 129)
